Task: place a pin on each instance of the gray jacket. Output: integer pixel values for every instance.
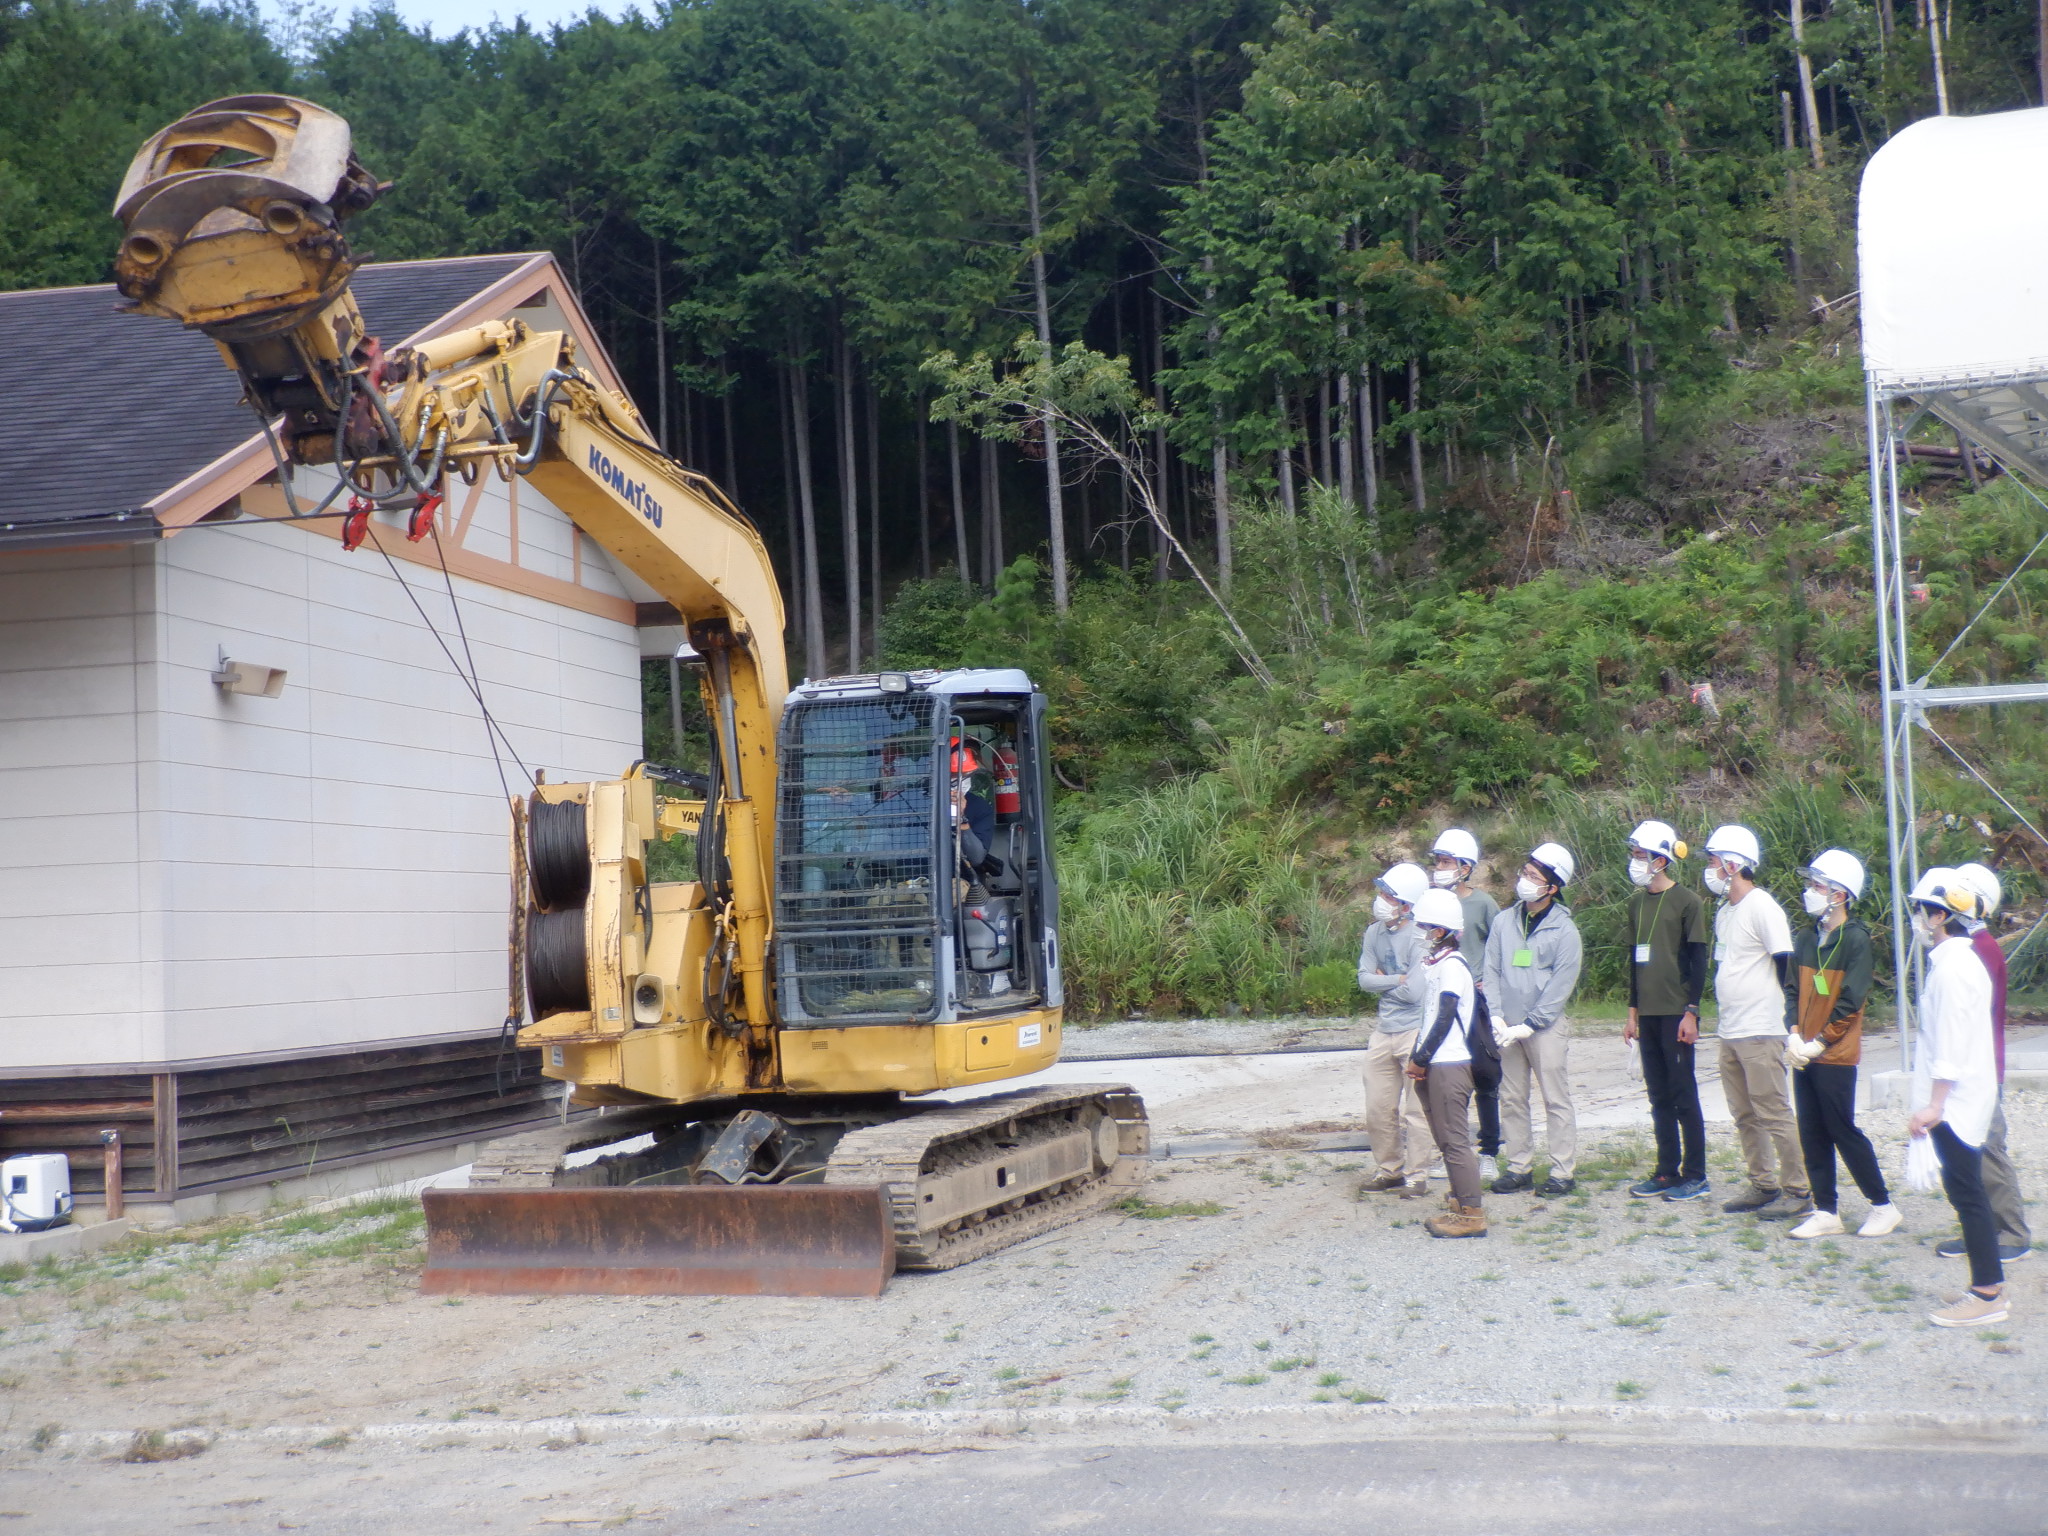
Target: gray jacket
(1533, 994)
(1399, 956)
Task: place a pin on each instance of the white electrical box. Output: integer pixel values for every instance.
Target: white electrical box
(35, 1192)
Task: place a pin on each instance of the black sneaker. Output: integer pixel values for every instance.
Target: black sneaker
(1655, 1185)
(1553, 1187)
(2008, 1253)
(1754, 1198)
(1688, 1189)
(1512, 1183)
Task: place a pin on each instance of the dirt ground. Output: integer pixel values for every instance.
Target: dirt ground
(1256, 1287)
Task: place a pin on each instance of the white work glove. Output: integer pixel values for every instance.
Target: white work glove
(1515, 1032)
(1799, 1052)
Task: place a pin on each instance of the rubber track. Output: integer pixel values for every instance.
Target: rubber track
(893, 1155)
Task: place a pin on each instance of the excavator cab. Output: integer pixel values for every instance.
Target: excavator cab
(913, 868)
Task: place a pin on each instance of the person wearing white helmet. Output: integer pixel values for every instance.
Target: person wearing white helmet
(1533, 957)
(1955, 1084)
(1835, 963)
(1667, 974)
(2001, 1179)
(1456, 853)
(1390, 962)
(1755, 989)
(1456, 1049)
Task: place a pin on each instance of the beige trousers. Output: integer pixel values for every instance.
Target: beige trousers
(1395, 1121)
(1755, 1081)
(1538, 1064)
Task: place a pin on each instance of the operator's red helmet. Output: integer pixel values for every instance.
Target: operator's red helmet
(965, 761)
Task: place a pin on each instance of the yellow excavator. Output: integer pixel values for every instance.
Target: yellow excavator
(875, 913)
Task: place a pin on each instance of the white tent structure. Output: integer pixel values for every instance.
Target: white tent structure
(1953, 258)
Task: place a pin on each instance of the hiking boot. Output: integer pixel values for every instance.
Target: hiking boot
(1689, 1189)
(1819, 1224)
(1417, 1189)
(1381, 1183)
(1463, 1221)
(1970, 1310)
(1655, 1185)
(1554, 1187)
(1882, 1220)
(1787, 1207)
(2008, 1253)
(1754, 1198)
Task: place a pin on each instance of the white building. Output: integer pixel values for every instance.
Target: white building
(266, 937)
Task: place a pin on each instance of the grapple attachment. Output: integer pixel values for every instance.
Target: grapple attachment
(660, 1240)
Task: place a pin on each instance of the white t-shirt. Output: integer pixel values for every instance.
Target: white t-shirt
(1747, 933)
(1450, 974)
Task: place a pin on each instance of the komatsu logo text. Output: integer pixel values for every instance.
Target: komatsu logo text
(632, 492)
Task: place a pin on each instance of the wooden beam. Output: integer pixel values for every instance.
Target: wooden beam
(165, 1104)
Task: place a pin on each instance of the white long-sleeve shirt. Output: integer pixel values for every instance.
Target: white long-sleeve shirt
(1955, 1044)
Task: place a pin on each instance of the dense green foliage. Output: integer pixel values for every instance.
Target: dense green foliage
(1465, 347)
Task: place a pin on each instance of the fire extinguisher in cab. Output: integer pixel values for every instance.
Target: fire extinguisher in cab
(1009, 801)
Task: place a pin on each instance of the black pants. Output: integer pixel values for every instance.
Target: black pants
(1962, 1178)
(1674, 1098)
(1487, 1102)
(1825, 1097)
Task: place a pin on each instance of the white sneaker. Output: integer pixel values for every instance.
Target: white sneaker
(1489, 1170)
(1881, 1220)
(1436, 1170)
(1820, 1224)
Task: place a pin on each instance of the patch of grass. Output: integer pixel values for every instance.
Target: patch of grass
(333, 1442)
(152, 1445)
(1249, 1379)
(1330, 1379)
(1008, 1373)
(45, 1436)
(1361, 1396)
(1630, 1391)
(1648, 1322)
(1294, 1362)
(1201, 1338)
(1151, 1210)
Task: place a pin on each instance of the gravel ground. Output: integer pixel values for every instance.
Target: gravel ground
(1258, 1279)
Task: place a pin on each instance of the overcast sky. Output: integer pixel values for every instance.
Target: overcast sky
(447, 17)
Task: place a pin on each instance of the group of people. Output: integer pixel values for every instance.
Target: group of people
(1472, 1001)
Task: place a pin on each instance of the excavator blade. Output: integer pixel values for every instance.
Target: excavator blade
(660, 1240)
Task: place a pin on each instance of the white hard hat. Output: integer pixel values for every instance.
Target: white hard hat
(1657, 837)
(1838, 868)
(1405, 882)
(1556, 858)
(1737, 843)
(1458, 844)
(1980, 879)
(1944, 888)
(1440, 909)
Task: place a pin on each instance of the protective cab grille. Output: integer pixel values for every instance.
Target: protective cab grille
(857, 848)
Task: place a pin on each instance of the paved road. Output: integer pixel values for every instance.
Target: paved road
(826, 1488)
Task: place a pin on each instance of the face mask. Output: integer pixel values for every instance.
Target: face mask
(1817, 902)
(1639, 871)
(1933, 927)
(1443, 879)
(1717, 882)
(1383, 910)
(1529, 890)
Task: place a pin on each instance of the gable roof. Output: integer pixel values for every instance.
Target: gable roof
(110, 415)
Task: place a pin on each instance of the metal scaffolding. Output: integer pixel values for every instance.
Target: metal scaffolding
(1955, 329)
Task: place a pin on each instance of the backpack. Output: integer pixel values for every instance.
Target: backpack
(1480, 1044)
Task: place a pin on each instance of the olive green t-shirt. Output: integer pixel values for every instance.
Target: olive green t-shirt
(1658, 924)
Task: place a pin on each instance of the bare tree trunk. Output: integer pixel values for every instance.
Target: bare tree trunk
(1414, 437)
(1328, 475)
(1055, 511)
(991, 516)
(874, 517)
(1219, 481)
(661, 351)
(1369, 461)
(959, 501)
(1160, 557)
(792, 527)
(924, 497)
(849, 499)
(1792, 196)
(732, 453)
(1648, 351)
(1812, 107)
(1936, 33)
(1283, 454)
(814, 604)
(1347, 475)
